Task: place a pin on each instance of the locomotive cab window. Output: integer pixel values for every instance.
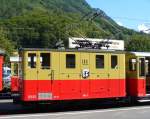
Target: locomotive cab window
(32, 60)
(141, 67)
(147, 65)
(45, 60)
(70, 61)
(114, 62)
(132, 64)
(99, 61)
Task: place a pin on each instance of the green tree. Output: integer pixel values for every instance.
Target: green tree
(6, 44)
(138, 43)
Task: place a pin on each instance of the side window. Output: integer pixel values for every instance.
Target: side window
(16, 69)
(132, 64)
(114, 62)
(32, 60)
(45, 60)
(147, 66)
(100, 61)
(70, 61)
(141, 67)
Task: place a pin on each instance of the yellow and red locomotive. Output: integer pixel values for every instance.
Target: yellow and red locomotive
(75, 74)
(71, 74)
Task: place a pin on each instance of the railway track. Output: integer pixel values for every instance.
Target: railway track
(8, 108)
(5, 95)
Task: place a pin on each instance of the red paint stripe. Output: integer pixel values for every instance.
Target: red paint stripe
(136, 87)
(14, 84)
(1, 73)
(73, 89)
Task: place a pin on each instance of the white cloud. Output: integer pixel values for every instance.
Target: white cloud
(119, 23)
(144, 28)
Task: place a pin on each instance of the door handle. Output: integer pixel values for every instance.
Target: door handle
(108, 75)
(52, 75)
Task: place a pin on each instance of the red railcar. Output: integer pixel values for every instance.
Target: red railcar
(14, 61)
(1, 69)
(1, 72)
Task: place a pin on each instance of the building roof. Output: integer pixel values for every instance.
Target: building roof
(14, 59)
(141, 54)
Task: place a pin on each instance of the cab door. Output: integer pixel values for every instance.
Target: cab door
(99, 75)
(31, 66)
(30, 75)
(141, 83)
(69, 75)
(113, 75)
(45, 75)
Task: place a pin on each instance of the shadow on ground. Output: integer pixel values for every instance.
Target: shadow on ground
(8, 108)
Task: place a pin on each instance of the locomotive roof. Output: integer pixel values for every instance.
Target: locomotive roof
(72, 50)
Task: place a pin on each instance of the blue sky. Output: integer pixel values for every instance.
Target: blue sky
(129, 13)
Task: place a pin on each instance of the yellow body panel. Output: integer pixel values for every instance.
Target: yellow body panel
(99, 73)
(55, 67)
(122, 72)
(69, 73)
(29, 74)
(43, 74)
(113, 73)
(83, 61)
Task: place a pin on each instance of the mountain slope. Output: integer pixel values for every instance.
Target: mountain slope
(41, 23)
(10, 8)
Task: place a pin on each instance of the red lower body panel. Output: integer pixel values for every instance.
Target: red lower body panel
(14, 84)
(36, 90)
(1, 73)
(136, 87)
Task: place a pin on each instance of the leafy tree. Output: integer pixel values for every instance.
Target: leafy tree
(41, 23)
(138, 43)
(6, 44)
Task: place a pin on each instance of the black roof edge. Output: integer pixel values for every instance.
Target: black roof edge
(70, 50)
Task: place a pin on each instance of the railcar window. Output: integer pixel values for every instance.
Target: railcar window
(70, 61)
(132, 64)
(16, 69)
(114, 62)
(147, 65)
(141, 67)
(45, 60)
(99, 61)
(32, 60)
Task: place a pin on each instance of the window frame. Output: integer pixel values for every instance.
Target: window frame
(141, 74)
(147, 66)
(116, 62)
(96, 63)
(131, 64)
(68, 66)
(34, 64)
(47, 60)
